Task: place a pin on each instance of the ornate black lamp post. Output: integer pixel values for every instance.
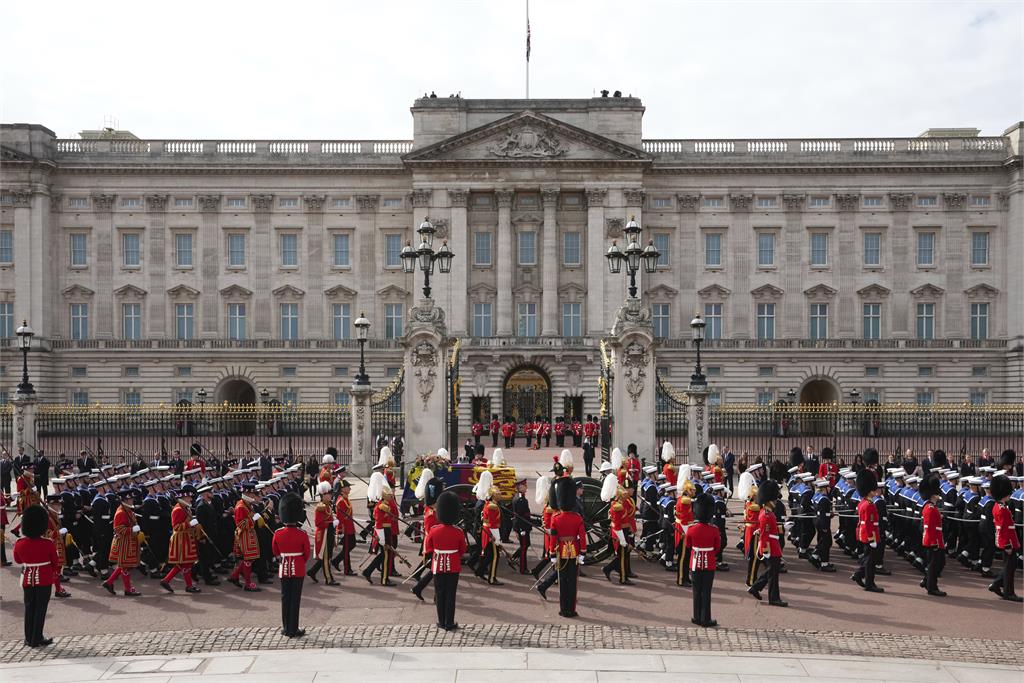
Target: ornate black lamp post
(201, 395)
(854, 396)
(25, 334)
(633, 255)
(425, 255)
(264, 396)
(697, 327)
(362, 332)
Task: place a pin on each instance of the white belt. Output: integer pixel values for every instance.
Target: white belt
(445, 552)
(154, 516)
(34, 564)
(775, 537)
(702, 549)
(290, 554)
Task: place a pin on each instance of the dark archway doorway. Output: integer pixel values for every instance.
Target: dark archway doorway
(819, 391)
(527, 394)
(236, 392)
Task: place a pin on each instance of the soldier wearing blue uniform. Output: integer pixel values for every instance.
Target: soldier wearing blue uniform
(649, 511)
(970, 494)
(986, 531)
(948, 508)
(718, 519)
(821, 504)
(667, 520)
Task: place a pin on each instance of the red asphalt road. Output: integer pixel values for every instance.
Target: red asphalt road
(829, 602)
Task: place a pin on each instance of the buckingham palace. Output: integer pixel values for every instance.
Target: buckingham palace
(891, 269)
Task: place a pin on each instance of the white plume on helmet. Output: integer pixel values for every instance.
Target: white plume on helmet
(668, 452)
(543, 488)
(421, 486)
(565, 458)
(745, 484)
(327, 460)
(498, 458)
(323, 488)
(482, 488)
(616, 458)
(714, 457)
(608, 487)
(375, 487)
(387, 459)
(443, 453)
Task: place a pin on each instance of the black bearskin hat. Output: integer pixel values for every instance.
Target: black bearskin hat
(447, 507)
(796, 457)
(870, 456)
(291, 509)
(703, 508)
(767, 492)
(939, 459)
(331, 451)
(1008, 458)
(34, 521)
(196, 449)
(827, 453)
(929, 486)
(434, 488)
(1000, 488)
(866, 483)
(565, 494)
(777, 471)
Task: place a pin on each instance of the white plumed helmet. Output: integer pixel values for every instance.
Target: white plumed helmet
(421, 486)
(322, 488)
(443, 453)
(668, 452)
(543, 487)
(327, 460)
(616, 458)
(565, 459)
(713, 455)
(387, 459)
(608, 487)
(482, 488)
(497, 458)
(375, 487)
(743, 488)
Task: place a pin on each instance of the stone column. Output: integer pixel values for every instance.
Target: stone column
(596, 263)
(209, 238)
(156, 302)
(506, 256)
(313, 303)
(634, 382)
(26, 262)
(902, 240)
(102, 327)
(953, 319)
(698, 420)
(741, 243)
(25, 421)
(363, 457)
(459, 243)
(792, 318)
(264, 247)
(846, 269)
(426, 347)
(370, 259)
(550, 264)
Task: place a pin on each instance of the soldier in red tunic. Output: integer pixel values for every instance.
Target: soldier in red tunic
(683, 521)
(868, 532)
(541, 496)
(577, 432)
(495, 428)
(379, 492)
(478, 431)
(325, 522)
(490, 533)
(27, 495)
(346, 529)
(570, 538)
(246, 546)
(671, 469)
(703, 542)
(124, 550)
(182, 552)
(445, 545)
(291, 546)
(428, 488)
(1006, 538)
(58, 534)
(932, 541)
(768, 547)
(618, 513)
(560, 431)
(40, 565)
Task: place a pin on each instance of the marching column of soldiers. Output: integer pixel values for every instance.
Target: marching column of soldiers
(246, 524)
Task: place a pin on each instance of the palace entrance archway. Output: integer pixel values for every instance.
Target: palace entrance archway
(526, 394)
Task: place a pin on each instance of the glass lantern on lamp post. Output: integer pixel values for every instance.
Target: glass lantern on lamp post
(362, 326)
(633, 256)
(697, 326)
(25, 334)
(425, 255)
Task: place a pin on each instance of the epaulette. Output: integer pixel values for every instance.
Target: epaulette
(755, 507)
(686, 500)
(616, 506)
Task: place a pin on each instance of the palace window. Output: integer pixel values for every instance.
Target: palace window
(236, 321)
(713, 321)
(713, 202)
(571, 248)
(131, 371)
(872, 202)
(979, 248)
(79, 371)
(236, 202)
(131, 203)
(341, 203)
(766, 202)
(925, 371)
(661, 203)
(130, 250)
(925, 397)
(528, 248)
(572, 320)
(930, 200)
(131, 320)
(80, 397)
(978, 397)
(289, 321)
(766, 321)
(765, 397)
(872, 249)
(392, 321)
(131, 397)
(872, 321)
(289, 371)
(660, 320)
(392, 203)
(819, 321)
(236, 250)
(290, 397)
(926, 321)
(342, 398)
(981, 200)
(79, 321)
(6, 320)
(79, 250)
(78, 203)
(979, 371)
(819, 249)
(393, 250)
(182, 202)
(713, 249)
(288, 203)
(341, 321)
(765, 249)
(528, 320)
(183, 371)
(820, 202)
(661, 240)
(6, 246)
(979, 321)
(289, 249)
(926, 248)
(184, 321)
(342, 258)
(481, 320)
(481, 248)
(183, 250)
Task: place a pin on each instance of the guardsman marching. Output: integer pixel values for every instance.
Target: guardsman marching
(478, 431)
(40, 567)
(541, 496)
(569, 533)
(445, 545)
(668, 456)
(291, 546)
(495, 429)
(58, 534)
(379, 492)
(182, 551)
(27, 496)
(828, 468)
(560, 431)
(1005, 538)
(751, 511)
(577, 432)
(769, 547)
(428, 489)
(522, 525)
(346, 529)
(246, 545)
(868, 532)
(821, 505)
(614, 494)
(703, 544)
(683, 518)
(490, 533)
(325, 522)
(932, 541)
(508, 430)
(124, 550)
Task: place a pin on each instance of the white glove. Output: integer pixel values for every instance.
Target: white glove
(193, 522)
(380, 536)
(336, 523)
(136, 529)
(256, 517)
(554, 560)
(873, 544)
(621, 536)
(496, 536)
(580, 560)
(63, 531)
(788, 525)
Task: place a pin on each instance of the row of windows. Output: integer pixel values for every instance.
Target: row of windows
(818, 202)
(233, 202)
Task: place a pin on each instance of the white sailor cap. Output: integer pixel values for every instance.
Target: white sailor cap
(204, 489)
(650, 469)
(708, 475)
(986, 484)
(850, 475)
(1016, 478)
(821, 482)
(755, 467)
(952, 474)
(987, 469)
(666, 487)
(1000, 473)
(605, 467)
(793, 469)
(898, 472)
(718, 487)
(974, 481)
(913, 480)
(696, 468)
(805, 476)
(661, 477)
(844, 470)
(163, 468)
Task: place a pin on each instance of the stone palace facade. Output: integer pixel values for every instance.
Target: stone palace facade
(153, 268)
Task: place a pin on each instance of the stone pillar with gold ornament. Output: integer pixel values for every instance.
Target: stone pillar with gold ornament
(25, 407)
(426, 345)
(698, 419)
(632, 347)
(363, 456)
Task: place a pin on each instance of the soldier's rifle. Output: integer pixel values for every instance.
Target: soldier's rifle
(416, 572)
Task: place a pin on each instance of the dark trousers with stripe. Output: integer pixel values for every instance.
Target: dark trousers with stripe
(37, 599)
(291, 598)
(682, 564)
(770, 578)
(323, 560)
(524, 547)
(866, 571)
(384, 560)
(487, 566)
(425, 578)
(619, 563)
(703, 579)
(445, 587)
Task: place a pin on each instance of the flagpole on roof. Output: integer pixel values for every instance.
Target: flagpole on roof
(527, 49)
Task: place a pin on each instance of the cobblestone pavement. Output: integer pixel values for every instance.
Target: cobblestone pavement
(518, 636)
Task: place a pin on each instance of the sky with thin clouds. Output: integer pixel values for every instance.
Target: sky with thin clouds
(351, 70)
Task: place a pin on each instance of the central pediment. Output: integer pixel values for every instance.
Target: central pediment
(528, 138)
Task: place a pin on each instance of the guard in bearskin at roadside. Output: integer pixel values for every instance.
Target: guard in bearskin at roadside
(932, 541)
(445, 545)
(1005, 538)
(569, 533)
(769, 546)
(868, 532)
(291, 546)
(40, 566)
(428, 489)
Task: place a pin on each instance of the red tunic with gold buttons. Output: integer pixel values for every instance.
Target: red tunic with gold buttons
(182, 548)
(343, 510)
(931, 522)
(40, 564)
(491, 516)
(768, 526)
(704, 542)
(429, 519)
(53, 533)
(448, 545)
(1006, 537)
(27, 496)
(867, 525)
(247, 545)
(291, 544)
(124, 550)
(684, 516)
(570, 535)
(750, 514)
(669, 470)
(545, 521)
(323, 520)
(617, 517)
